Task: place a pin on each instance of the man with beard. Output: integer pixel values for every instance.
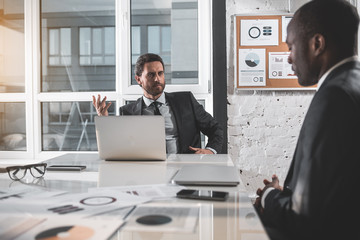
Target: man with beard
(184, 117)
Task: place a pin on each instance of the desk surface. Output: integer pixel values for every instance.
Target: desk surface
(234, 218)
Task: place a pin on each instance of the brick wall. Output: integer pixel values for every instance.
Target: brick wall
(263, 126)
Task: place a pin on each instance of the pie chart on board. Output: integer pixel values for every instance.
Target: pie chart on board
(252, 59)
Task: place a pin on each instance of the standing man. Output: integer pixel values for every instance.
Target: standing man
(320, 197)
(184, 117)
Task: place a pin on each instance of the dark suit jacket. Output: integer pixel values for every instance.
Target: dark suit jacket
(191, 118)
(321, 197)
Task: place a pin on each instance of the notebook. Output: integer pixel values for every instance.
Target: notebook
(131, 137)
(211, 175)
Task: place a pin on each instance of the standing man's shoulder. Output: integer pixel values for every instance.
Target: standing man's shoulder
(345, 78)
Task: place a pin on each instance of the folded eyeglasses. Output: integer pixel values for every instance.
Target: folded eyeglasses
(19, 172)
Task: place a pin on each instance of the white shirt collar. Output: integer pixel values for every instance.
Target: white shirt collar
(323, 77)
(161, 99)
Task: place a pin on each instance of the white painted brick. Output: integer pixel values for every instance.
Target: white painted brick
(253, 133)
(257, 122)
(271, 122)
(250, 150)
(234, 131)
(293, 122)
(274, 152)
(234, 151)
(263, 126)
(280, 141)
(270, 113)
(247, 109)
(237, 121)
(294, 132)
(278, 131)
(233, 110)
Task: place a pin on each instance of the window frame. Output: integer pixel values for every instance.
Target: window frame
(204, 38)
(33, 97)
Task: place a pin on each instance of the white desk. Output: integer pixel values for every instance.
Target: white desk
(233, 219)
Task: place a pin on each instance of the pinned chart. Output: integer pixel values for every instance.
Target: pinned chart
(261, 53)
(259, 32)
(252, 67)
(279, 68)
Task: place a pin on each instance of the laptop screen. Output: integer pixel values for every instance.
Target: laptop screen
(131, 137)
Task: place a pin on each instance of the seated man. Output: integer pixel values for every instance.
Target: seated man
(184, 116)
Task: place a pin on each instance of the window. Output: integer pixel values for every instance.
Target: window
(12, 127)
(12, 47)
(60, 46)
(69, 126)
(84, 48)
(158, 41)
(80, 40)
(169, 29)
(14, 130)
(97, 46)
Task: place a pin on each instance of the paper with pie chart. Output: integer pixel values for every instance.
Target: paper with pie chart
(259, 32)
(67, 228)
(251, 66)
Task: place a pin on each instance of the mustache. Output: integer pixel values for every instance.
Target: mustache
(158, 84)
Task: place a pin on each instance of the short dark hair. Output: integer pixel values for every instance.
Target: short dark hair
(146, 58)
(336, 20)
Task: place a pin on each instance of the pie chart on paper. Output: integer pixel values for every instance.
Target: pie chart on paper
(252, 60)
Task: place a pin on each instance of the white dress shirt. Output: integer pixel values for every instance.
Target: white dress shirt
(172, 137)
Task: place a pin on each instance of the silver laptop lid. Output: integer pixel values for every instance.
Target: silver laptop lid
(131, 137)
(211, 175)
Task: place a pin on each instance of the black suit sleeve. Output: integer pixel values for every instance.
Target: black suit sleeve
(324, 172)
(208, 126)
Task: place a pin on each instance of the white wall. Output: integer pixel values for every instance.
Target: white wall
(263, 126)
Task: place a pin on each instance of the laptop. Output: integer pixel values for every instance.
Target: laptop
(131, 173)
(207, 175)
(131, 137)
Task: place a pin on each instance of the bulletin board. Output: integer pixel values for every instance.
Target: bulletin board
(261, 54)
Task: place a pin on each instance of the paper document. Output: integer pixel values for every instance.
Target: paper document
(155, 218)
(149, 191)
(259, 32)
(72, 228)
(251, 66)
(80, 204)
(279, 68)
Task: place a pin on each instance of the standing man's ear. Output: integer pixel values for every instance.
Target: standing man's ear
(318, 44)
(138, 80)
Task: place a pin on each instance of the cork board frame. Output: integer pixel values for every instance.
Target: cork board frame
(270, 83)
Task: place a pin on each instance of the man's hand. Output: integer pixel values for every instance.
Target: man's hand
(101, 106)
(200, 150)
(274, 184)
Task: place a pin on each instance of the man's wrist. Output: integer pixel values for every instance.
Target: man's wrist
(211, 149)
(266, 192)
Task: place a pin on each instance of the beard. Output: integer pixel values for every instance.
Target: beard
(154, 89)
(309, 78)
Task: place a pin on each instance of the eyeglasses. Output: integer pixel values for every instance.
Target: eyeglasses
(38, 182)
(19, 172)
